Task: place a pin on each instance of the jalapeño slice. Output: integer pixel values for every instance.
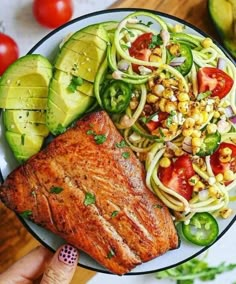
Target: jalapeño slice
(202, 230)
(116, 96)
(210, 144)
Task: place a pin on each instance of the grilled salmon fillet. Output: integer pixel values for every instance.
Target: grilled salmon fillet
(89, 188)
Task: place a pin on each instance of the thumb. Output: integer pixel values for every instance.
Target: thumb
(62, 266)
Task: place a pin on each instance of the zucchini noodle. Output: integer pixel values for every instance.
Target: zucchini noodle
(168, 81)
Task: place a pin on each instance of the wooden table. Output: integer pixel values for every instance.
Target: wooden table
(15, 241)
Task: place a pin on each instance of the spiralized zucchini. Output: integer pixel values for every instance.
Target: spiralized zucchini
(151, 146)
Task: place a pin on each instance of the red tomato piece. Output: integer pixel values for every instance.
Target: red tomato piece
(9, 52)
(214, 80)
(176, 176)
(140, 49)
(219, 167)
(52, 13)
(152, 125)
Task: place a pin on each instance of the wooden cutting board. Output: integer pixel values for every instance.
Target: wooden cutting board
(15, 241)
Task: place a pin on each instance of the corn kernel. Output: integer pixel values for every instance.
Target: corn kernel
(224, 159)
(219, 177)
(152, 99)
(196, 133)
(216, 114)
(193, 180)
(196, 142)
(178, 28)
(226, 213)
(214, 192)
(162, 104)
(174, 49)
(211, 128)
(228, 175)
(155, 58)
(178, 152)
(200, 119)
(170, 106)
(189, 122)
(167, 93)
(157, 51)
(165, 162)
(187, 132)
(173, 127)
(182, 97)
(226, 151)
(207, 42)
(151, 83)
(205, 116)
(198, 186)
(183, 107)
(158, 89)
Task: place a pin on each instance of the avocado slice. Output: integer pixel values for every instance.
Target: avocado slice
(80, 65)
(24, 145)
(29, 70)
(23, 126)
(24, 103)
(223, 14)
(58, 120)
(24, 92)
(28, 116)
(64, 79)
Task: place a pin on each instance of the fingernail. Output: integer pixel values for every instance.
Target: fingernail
(68, 255)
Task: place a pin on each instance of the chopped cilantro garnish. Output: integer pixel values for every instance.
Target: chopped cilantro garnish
(100, 138)
(89, 198)
(170, 118)
(23, 139)
(125, 155)
(156, 41)
(56, 189)
(114, 213)
(121, 144)
(111, 253)
(204, 95)
(159, 206)
(26, 213)
(75, 82)
(90, 132)
(148, 24)
(60, 129)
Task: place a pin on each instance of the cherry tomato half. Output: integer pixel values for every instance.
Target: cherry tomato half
(176, 176)
(52, 13)
(9, 52)
(214, 80)
(140, 49)
(219, 167)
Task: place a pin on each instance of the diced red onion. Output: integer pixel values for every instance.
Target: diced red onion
(221, 63)
(123, 65)
(233, 119)
(187, 145)
(171, 146)
(223, 126)
(203, 195)
(117, 75)
(165, 36)
(177, 61)
(229, 111)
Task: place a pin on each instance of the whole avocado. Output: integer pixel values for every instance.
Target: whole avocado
(223, 15)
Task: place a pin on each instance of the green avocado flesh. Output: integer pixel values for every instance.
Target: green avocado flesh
(79, 58)
(24, 145)
(223, 14)
(24, 96)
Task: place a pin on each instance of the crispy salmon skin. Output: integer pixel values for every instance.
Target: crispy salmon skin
(89, 188)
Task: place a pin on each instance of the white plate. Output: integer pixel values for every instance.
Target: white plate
(48, 47)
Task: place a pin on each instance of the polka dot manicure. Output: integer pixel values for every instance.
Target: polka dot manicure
(68, 255)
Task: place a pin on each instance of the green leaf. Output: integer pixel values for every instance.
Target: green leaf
(126, 155)
(75, 82)
(121, 144)
(89, 198)
(90, 132)
(26, 213)
(56, 189)
(114, 213)
(111, 253)
(156, 41)
(170, 118)
(100, 138)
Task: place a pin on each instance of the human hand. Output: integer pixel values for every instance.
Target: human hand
(41, 263)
